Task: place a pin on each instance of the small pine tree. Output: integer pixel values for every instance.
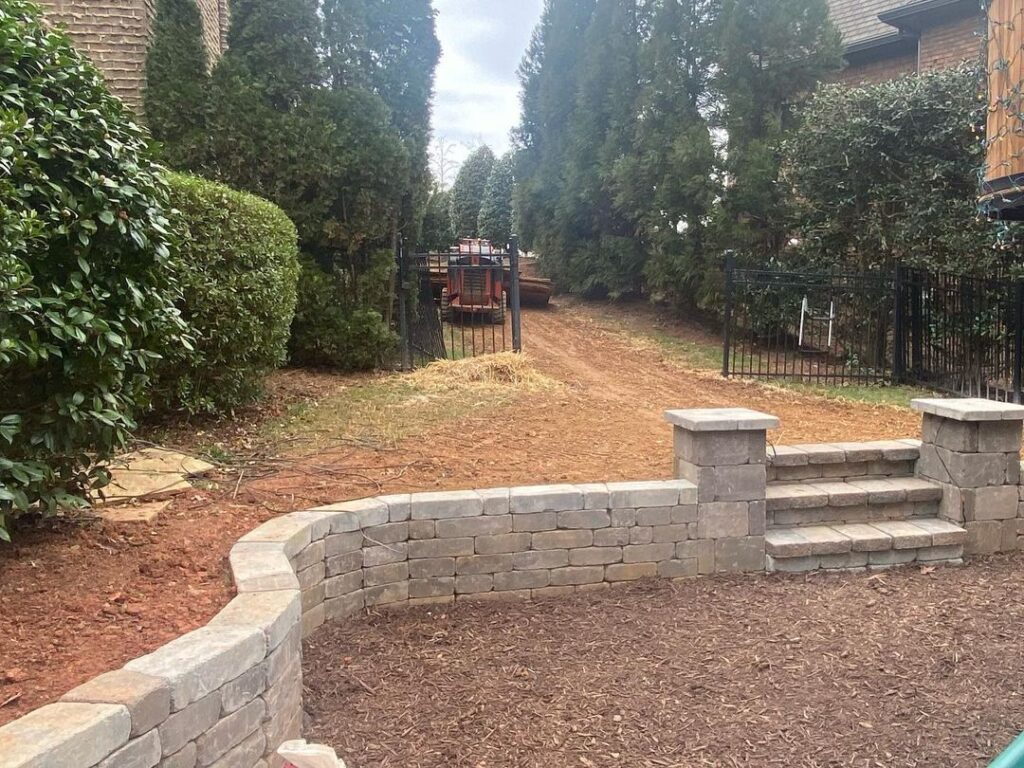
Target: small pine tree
(495, 221)
(436, 233)
(177, 75)
(468, 191)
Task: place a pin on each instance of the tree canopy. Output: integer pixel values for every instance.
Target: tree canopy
(495, 221)
(649, 136)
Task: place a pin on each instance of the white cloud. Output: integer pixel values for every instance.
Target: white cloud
(477, 91)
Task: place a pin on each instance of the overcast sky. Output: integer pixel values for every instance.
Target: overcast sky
(482, 41)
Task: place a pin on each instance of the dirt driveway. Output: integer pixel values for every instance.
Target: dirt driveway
(80, 599)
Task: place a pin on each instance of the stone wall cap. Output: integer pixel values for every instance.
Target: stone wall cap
(721, 419)
(968, 409)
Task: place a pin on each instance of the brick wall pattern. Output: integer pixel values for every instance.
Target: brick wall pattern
(115, 34)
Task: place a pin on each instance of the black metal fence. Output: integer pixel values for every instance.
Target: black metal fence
(963, 335)
(454, 306)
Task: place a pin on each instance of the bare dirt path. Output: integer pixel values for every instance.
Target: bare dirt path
(79, 599)
(916, 668)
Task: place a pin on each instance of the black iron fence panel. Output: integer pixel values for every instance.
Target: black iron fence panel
(464, 305)
(824, 328)
(963, 335)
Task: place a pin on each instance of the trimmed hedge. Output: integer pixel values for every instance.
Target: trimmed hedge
(238, 267)
(87, 298)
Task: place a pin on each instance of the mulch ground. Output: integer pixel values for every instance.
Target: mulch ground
(909, 668)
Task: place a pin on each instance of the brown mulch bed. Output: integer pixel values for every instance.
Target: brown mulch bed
(915, 667)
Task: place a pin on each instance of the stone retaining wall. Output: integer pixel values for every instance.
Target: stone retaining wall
(228, 694)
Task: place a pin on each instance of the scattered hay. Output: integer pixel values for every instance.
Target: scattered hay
(502, 370)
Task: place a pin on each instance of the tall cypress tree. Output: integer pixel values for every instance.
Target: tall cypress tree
(277, 42)
(601, 252)
(495, 222)
(772, 54)
(177, 79)
(549, 74)
(390, 48)
(669, 181)
(468, 192)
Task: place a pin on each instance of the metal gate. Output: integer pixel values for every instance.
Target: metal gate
(827, 328)
(458, 305)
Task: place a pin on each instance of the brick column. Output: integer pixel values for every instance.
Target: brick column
(971, 448)
(722, 452)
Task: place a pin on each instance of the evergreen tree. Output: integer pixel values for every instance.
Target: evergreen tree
(468, 191)
(549, 76)
(669, 182)
(176, 81)
(390, 47)
(601, 254)
(277, 42)
(772, 54)
(436, 235)
(495, 222)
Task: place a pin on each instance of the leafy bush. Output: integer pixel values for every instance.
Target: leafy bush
(86, 294)
(332, 329)
(889, 173)
(238, 264)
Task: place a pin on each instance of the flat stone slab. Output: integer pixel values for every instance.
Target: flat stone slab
(152, 472)
(133, 513)
(721, 419)
(968, 409)
(783, 496)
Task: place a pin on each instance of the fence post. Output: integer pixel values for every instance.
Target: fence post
(899, 357)
(916, 324)
(1018, 338)
(513, 265)
(403, 309)
(730, 266)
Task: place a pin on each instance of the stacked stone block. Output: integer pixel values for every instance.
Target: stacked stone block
(723, 452)
(971, 448)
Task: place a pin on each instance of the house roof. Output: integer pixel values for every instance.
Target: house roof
(864, 23)
(858, 19)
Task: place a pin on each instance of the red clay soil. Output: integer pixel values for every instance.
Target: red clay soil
(916, 668)
(80, 599)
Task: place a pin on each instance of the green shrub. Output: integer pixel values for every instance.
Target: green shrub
(86, 294)
(238, 265)
(888, 173)
(333, 330)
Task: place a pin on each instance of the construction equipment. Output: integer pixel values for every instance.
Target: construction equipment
(475, 283)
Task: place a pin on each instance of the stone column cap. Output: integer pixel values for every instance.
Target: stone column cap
(968, 409)
(721, 419)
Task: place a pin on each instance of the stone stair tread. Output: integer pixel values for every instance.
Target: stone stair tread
(811, 494)
(808, 541)
(834, 453)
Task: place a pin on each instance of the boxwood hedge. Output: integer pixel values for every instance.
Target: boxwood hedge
(237, 258)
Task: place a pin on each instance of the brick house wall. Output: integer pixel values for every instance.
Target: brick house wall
(950, 44)
(115, 34)
(877, 71)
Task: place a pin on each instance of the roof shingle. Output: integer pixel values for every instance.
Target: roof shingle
(858, 19)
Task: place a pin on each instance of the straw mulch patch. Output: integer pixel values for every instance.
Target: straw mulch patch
(917, 667)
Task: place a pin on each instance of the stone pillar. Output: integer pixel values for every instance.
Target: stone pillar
(971, 448)
(722, 452)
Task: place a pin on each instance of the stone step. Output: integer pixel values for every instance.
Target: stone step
(851, 501)
(861, 545)
(840, 461)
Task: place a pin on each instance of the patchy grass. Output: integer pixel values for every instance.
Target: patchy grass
(707, 356)
(380, 412)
